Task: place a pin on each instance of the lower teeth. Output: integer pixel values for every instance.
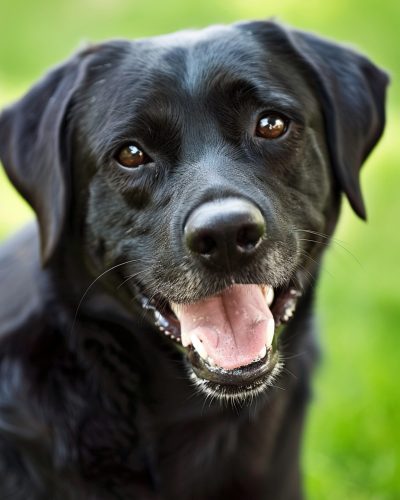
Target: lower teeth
(263, 352)
(210, 361)
(199, 347)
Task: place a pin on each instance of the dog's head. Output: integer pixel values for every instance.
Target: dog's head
(205, 166)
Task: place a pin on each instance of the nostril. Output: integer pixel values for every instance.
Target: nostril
(205, 245)
(249, 236)
(201, 242)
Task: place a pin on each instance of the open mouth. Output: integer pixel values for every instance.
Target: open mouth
(230, 340)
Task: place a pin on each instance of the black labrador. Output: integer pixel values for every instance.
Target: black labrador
(156, 325)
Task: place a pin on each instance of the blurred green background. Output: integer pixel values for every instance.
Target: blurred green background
(352, 444)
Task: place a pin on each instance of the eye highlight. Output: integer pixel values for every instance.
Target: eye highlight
(130, 156)
(271, 126)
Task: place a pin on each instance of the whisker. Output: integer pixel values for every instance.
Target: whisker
(308, 256)
(309, 276)
(131, 276)
(322, 235)
(315, 241)
(289, 372)
(93, 283)
(293, 356)
(336, 241)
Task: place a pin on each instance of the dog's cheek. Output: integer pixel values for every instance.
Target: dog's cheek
(313, 192)
(112, 225)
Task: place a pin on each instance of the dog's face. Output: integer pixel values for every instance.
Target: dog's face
(206, 166)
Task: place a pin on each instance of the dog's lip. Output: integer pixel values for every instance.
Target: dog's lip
(238, 377)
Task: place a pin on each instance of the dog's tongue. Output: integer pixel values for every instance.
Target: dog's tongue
(233, 327)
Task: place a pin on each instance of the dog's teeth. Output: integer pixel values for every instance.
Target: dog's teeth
(175, 309)
(270, 332)
(270, 296)
(145, 303)
(172, 337)
(162, 322)
(161, 328)
(210, 361)
(262, 353)
(198, 345)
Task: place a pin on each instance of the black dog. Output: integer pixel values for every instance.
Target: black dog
(184, 187)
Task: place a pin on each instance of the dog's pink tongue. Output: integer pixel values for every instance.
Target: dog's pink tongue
(233, 327)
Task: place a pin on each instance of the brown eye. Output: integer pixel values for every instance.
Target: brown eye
(131, 156)
(271, 126)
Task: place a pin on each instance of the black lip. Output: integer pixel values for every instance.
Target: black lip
(238, 377)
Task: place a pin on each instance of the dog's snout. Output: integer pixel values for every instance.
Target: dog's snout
(223, 232)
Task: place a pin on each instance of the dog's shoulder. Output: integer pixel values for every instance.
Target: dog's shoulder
(20, 274)
(20, 311)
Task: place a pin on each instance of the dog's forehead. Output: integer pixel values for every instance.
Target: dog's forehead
(189, 61)
(201, 54)
(192, 37)
(181, 71)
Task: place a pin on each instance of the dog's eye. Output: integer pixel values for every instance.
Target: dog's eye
(271, 126)
(131, 156)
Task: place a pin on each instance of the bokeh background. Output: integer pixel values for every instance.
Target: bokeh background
(352, 443)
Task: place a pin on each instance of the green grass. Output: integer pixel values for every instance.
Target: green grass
(352, 444)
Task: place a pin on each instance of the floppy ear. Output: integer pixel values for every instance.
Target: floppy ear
(351, 91)
(32, 148)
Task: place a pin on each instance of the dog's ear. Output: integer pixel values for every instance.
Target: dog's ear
(351, 91)
(32, 147)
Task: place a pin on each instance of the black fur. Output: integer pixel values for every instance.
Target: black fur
(95, 403)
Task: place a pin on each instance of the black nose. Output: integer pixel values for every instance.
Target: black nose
(224, 232)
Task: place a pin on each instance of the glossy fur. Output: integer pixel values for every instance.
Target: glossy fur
(95, 403)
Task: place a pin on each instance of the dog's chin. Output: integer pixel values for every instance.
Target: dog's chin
(225, 377)
(242, 384)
